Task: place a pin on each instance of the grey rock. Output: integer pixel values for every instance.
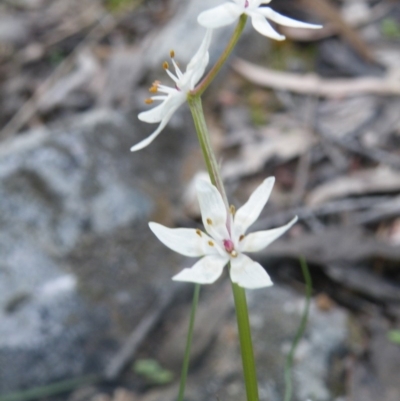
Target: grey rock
(79, 266)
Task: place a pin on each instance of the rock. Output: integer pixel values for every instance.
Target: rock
(79, 266)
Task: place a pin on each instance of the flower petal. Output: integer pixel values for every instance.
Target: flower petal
(213, 210)
(205, 271)
(186, 241)
(261, 25)
(282, 20)
(249, 212)
(254, 242)
(200, 54)
(221, 15)
(169, 110)
(248, 274)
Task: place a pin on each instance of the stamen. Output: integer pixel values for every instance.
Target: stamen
(149, 101)
(210, 243)
(165, 65)
(234, 254)
(232, 209)
(198, 232)
(241, 237)
(172, 54)
(209, 221)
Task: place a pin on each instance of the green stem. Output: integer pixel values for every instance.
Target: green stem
(189, 339)
(203, 85)
(204, 139)
(50, 390)
(246, 345)
(300, 331)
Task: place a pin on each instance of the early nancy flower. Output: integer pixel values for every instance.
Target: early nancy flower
(226, 238)
(228, 13)
(173, 98)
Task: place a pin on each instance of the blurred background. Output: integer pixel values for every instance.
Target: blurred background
(88, 311)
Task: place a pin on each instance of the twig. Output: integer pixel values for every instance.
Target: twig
(330, 13)
(126, 353)
(329, 208)
(312, 84)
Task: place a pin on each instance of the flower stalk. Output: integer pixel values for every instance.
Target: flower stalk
(186, 358)
(246, 345)
(196, 109)
(249, 368)
(203, 85)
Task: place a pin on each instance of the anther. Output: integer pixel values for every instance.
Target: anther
(149, 101)
(241, 237)
(165, 65)
(172, 54)
(198, 232)
(209, 221)
(232, 210)
(210, 243)
(234, 254)
(153, 89)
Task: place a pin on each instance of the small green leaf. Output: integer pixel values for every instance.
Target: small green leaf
(390, 28)
(152, 371)
(394, 336)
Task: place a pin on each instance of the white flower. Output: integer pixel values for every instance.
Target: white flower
(173, 98)
(226, 238)
(228, 13)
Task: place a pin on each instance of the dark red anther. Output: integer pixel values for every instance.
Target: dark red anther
(229, 246)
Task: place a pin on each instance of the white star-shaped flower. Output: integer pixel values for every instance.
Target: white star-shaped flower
(173, 98)
(226, 238)
(228, 13)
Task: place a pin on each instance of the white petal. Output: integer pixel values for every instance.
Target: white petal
(254, 242)
(248, 274)
(213, 210)
(203, 49)
(173, 106)
(261, 25)
(185, 241)
(154, 115)
(249, 212)
(205, 271)
(221, 15)
(282, 20)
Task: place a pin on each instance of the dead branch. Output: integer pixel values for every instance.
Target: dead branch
(312, 84)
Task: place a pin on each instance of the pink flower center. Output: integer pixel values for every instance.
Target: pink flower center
(229, 246)
(246, 3)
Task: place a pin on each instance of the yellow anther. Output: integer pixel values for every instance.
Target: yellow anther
(234, 254)
(209, 221)
(149, 101)
(241, 237)
(210, 243)
(198, 232)
(172, 54)
(153, 89)
(232, 209)
(165, 65)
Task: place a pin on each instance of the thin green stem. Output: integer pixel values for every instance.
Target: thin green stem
(203, 85)
(50, 389)
(300, 331)
(204, 139)
(246, 345)
(189, 339)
